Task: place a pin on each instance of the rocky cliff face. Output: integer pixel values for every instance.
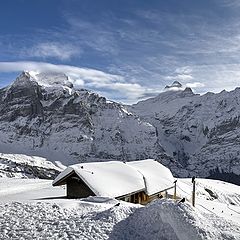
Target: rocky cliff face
(42, 114)
(200, 132)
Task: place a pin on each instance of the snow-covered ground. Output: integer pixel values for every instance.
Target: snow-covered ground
(213, 196)
(33, 209)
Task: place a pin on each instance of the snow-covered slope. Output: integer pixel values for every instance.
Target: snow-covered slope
(42, 114)
(22, 166)
(41, 213)
(200, 131)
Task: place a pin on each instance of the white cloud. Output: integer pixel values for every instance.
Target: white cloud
(179, 77)
(113, 86)
(132, 91)
(208, 77)
(195, 85)
(215, 77)
(231, 3)
(86, 74)
(98, 36)
(84, 77)
(183, 70)
(184, 77)
(182, 74)
(53, 49)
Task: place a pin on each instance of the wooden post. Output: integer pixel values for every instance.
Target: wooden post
(175, 190)
(166, 194)
(194, 191)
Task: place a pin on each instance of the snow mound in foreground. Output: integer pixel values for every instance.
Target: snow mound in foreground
(163, 219)
(51, 221)
(168, 220)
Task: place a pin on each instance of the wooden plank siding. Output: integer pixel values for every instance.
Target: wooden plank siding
(143, 198)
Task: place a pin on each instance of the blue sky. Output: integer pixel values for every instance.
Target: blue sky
(126, 50)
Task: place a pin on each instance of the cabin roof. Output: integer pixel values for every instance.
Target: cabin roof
(112, 179)
(115, 178)
(156, 176)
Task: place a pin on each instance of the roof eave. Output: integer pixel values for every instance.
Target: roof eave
(62, 181)
(156, 193)
(131, 193)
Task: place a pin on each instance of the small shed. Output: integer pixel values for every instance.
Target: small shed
(136, 181)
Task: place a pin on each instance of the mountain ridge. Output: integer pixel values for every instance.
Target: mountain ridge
(200, 131)
(70, 126)
(192, 134)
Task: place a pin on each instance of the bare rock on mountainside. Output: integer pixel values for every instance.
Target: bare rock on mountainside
(200, 131)
(42, 114)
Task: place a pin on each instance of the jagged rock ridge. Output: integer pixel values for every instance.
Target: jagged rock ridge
(201, 132)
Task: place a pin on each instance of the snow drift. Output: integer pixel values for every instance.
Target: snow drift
(41, 213)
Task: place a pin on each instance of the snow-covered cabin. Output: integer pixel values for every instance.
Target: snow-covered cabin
(136, 181)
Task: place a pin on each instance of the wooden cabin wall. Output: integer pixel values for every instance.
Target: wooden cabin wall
(76, 188)
(134, 198)
(145, 199)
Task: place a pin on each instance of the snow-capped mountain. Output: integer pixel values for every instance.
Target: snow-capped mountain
(174, 87)
(200, 131)
(42, 114)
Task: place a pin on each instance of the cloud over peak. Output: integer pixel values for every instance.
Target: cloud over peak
(55, 50)
(108, 84)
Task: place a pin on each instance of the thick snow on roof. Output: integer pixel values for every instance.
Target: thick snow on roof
(112, 179)
(116, 178)
(156, 176)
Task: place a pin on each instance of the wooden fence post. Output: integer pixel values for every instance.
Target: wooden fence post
(194, 191)
(175, 190)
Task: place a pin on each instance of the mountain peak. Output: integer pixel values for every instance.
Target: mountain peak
(51, 79)
(175, 86)
(45, 79)
(22, 80)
